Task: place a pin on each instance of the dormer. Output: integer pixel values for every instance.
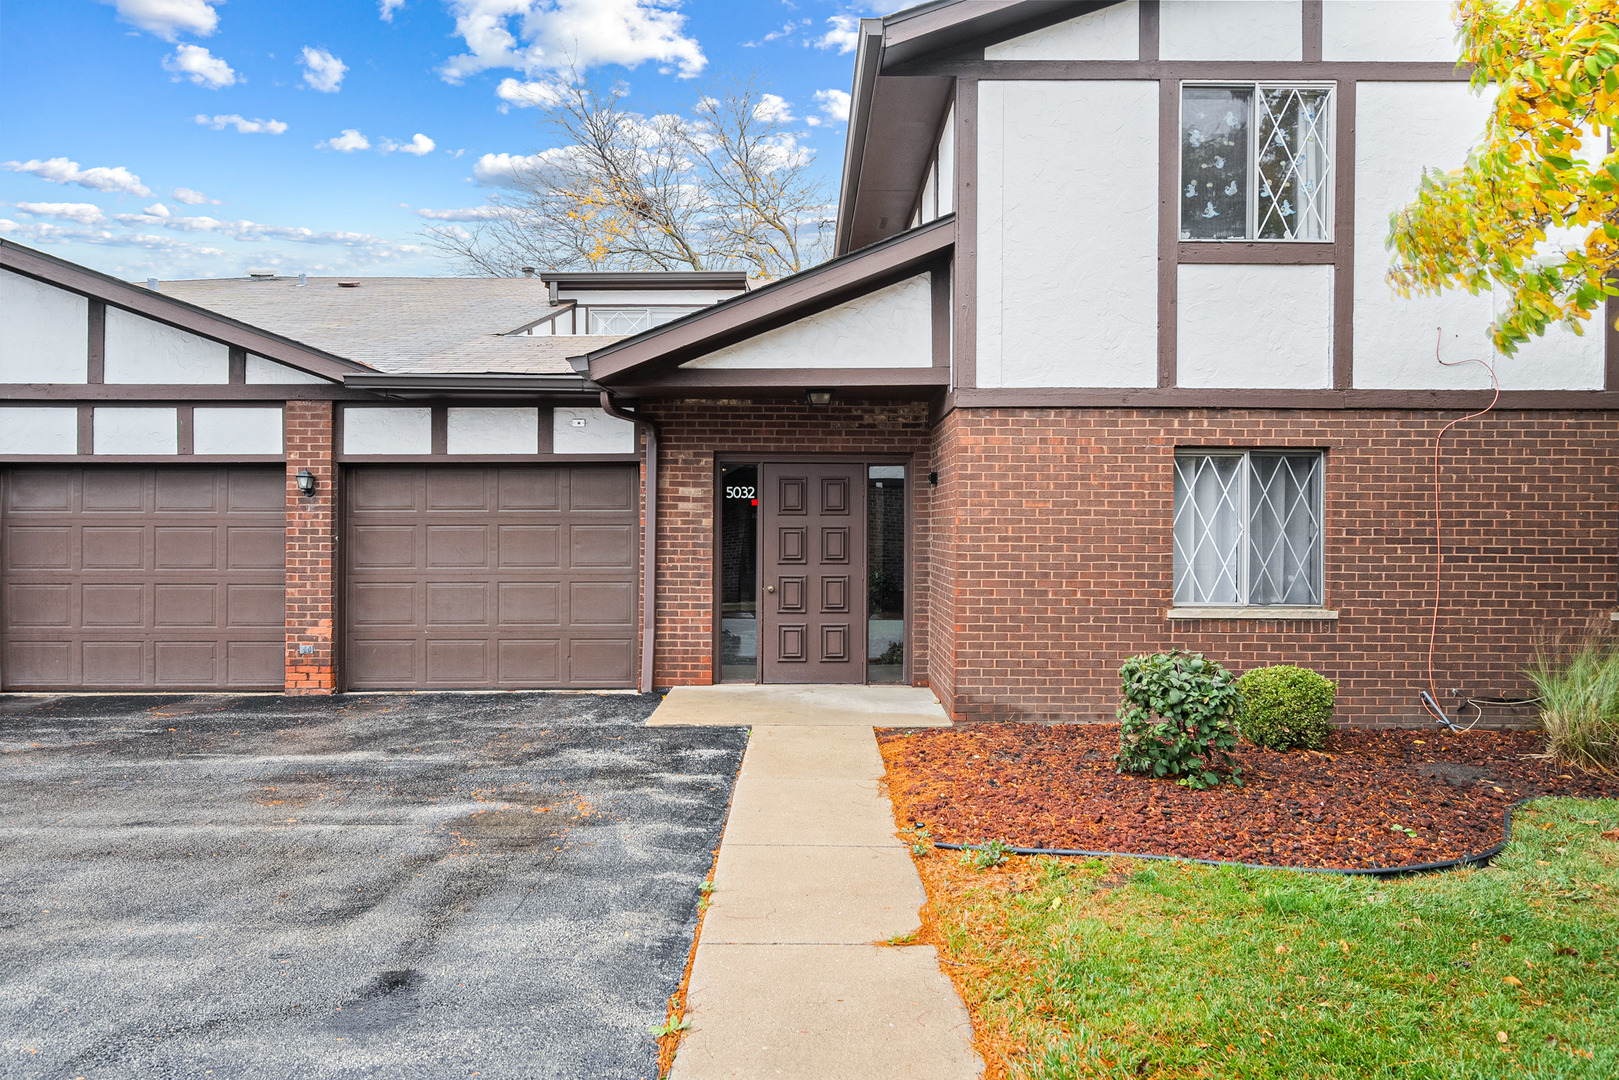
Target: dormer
(608, 303)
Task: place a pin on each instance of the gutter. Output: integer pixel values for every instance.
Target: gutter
(868, 58)
(649, 538)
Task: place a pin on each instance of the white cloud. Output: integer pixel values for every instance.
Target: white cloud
(525, 94)
(157, 209)
(169, 18)
(787, 30)
(200, 66)
(844, 35)
(499, 170)
(564, 35)
(386, 8)
(82, 212)
(468, 213)
(772, 109)
(834, 106)
(62, 171)
(322, 70)
(419, 144)
(242, 124)
(348, 142)
(191, 197)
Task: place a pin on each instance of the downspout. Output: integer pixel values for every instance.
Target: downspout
(649, 538)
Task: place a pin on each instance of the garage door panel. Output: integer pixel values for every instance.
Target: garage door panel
(122, 578)
(255, 548)
(113, 605)
(39, 605)
(523, 576)
(530, 603)
(381, 489)
(110, 547)
(41, 548)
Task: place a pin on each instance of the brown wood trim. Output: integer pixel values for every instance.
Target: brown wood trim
(96, 356)
(1256, 252)
(134, 393)
(1187, 70)
(941, 319)
(1169, 175)
(87, 431)
(907, 378)
(1071, 397)
(438, 427)
(238, 366)
(1148, 17)
(964, 271)
(548, 431)
(136, 459)
(716, 645)
(1611, 311)
(489, 459)
(1312, 31)
(1343, 225)
(186, 423)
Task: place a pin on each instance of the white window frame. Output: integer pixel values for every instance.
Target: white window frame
(1253, 221)
(1195, 608)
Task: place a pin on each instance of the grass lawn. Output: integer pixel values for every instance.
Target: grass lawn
(1152, 969)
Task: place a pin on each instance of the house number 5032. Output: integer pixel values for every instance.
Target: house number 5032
(740, 493)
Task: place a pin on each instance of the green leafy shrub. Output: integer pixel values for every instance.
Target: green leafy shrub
(1286, 706)
(1578, 684)
(1178, 718)
(988, 854)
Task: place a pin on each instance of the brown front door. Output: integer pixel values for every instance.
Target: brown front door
(813, 574)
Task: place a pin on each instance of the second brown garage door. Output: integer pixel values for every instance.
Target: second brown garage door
(510, 576)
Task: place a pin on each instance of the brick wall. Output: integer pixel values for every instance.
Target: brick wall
(691, 434)
(311, 532)
(1056, 561)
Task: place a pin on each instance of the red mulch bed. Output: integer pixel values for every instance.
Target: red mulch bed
(1055, 787)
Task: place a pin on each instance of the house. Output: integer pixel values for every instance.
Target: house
(1105, 363)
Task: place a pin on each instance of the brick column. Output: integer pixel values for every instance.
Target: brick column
(311, 545)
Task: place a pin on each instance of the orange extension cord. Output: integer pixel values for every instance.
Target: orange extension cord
(1438, 545)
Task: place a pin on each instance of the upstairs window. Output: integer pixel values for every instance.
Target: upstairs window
(605, 320)
(1256, 162)
(1248, 528)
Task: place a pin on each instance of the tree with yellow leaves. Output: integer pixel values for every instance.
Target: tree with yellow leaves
(1535, 210)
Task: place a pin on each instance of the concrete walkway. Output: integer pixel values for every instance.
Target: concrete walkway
(788, 979)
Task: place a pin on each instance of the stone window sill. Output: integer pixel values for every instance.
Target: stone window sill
(1279, 612)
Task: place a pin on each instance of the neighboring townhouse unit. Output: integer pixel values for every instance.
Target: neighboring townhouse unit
(1105, 363)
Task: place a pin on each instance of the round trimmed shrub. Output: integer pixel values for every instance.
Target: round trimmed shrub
(1178, 719)
(1285, 706)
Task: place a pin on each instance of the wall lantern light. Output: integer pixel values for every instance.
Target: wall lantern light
(306, 483)
(818, 398)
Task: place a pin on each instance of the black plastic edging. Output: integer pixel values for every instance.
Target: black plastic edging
(1476, 859)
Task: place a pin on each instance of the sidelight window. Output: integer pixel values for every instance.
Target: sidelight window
(1256, 162)
(1248, 528)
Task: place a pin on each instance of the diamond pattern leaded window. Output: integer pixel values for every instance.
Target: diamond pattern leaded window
(1256, 162)
(1248, 528)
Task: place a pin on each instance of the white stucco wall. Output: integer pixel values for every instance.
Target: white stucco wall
(388, 431)
(265, 371)
(39, 431)
(1231, 30)
(1113, 33)
(1400, 128)
(44, 332)
(141, 350)
(1254, 326)
(492, 431)
(889, 328)
(599, 434)
(236, 431)
(1068, 234)
(136, 431)
(1372, 30)
(946, 153)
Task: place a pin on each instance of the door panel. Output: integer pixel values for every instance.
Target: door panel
(813, 574)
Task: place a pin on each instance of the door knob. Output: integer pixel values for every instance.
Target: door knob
(770, 588)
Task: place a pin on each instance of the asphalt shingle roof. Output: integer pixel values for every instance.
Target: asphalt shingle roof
(415, 325)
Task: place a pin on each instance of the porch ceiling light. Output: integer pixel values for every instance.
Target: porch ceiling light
(306, 483)
(818, 397)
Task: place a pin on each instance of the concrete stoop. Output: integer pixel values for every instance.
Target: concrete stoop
(787, 980)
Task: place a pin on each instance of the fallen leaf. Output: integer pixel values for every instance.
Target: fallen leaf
(1280, 949)
(1512, 980)
(1501, 1037)
(1564, 950)
(1344, 945)
(1506, 939)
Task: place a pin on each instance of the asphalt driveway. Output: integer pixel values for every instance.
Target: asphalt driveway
(445, 885)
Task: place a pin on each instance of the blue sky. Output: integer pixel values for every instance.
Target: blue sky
(205, 138)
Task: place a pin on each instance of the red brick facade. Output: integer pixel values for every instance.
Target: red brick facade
(311, 544)
(692, 434)
(1052, 556)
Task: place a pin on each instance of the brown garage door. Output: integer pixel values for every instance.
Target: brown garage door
(491, 576)
(138, 579)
